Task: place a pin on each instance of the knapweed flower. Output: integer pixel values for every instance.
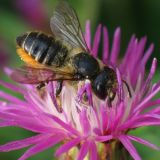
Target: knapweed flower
(85, 131)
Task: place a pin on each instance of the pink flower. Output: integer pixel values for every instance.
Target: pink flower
(33, 12)
(82, 129)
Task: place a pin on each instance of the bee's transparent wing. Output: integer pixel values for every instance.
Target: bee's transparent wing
(65, 25)
(30, 75)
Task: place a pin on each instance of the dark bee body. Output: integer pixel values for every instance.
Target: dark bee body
(64, 56)
(48, 51)
(86, 66)
(43, 48)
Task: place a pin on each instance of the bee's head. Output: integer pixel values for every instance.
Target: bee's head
(105, 84)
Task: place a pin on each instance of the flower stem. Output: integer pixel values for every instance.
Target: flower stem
(117, 152)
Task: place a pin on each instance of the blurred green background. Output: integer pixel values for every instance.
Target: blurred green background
(133, 16)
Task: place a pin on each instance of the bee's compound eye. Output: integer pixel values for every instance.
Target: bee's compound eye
(99, 88)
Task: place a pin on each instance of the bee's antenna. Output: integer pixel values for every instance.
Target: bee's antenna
(129, 91)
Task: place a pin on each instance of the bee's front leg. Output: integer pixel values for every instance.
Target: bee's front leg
(40, 86)
(55, 95)
(58, 90)
(59, 87)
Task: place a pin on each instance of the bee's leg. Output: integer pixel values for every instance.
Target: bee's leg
(55, 99)
(58, 92)
(59, 87)
(56, 103)
(41, 89)
(111, 97)
(41, 85)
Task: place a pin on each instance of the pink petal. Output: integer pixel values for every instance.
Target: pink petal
(85, 123)
(150, 76)
(149, 97)
(152, 69)
(35, 102)
(151, 104)
(140, 50)
(137, 123)
(29, 123)
(67, 146)
(16, 110)
(63, 124)
(128, 52)
(129, 66)
(148, 116)
(83, 151)
(119, 116)
(104, 119)
(103, 138)
(12, 87)
(142, 141)
(106, 45)
(130, 148)
(146, 123)
(96, 41)
(157, 109)
(147, 54)
(155, 85)
(6, 124)
(141, 120)
(42, 145)
(138, 60)
(93, 151)
(115, 46)
(12, 99)
(22, 143)
(87, 35)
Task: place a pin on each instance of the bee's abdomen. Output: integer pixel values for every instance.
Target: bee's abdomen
(43, 48)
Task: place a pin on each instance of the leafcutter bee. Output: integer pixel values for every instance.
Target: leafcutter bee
(63, 56)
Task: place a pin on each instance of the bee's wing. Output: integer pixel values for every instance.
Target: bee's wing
(65, 25)
(29, 75)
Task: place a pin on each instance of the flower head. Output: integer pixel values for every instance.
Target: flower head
(82, 129)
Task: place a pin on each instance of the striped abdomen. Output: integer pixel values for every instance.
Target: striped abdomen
(43, 48)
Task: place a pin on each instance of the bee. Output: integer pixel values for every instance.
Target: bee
(63, 56)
